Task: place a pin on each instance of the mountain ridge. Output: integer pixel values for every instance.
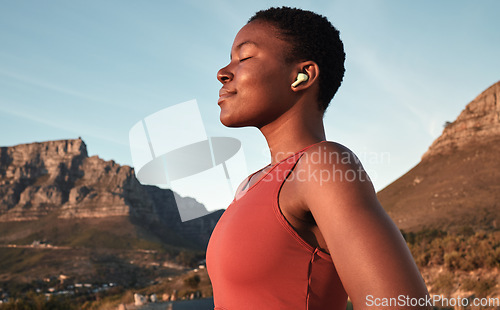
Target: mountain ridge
(456, 185)
(58, 177)
(478, 121)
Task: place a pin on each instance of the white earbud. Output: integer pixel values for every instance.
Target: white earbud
(301, 77)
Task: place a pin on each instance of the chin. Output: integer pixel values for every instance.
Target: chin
(232, 123)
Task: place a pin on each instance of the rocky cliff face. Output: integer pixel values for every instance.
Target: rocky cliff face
(58, 177)
(457, 183)
(35, 178)
(478, 122)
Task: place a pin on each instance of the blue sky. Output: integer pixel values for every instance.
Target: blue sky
(95, 68)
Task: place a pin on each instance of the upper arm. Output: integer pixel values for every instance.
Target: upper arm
(369, 253)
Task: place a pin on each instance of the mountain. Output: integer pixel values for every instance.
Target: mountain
(456, 185)
(57, 183)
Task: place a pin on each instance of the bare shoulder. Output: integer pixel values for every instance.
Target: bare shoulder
(335, 186)
(327, 154)
(331, 167)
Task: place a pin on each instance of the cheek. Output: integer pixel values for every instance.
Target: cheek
(263, 84)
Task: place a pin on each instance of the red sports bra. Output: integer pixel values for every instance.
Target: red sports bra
(256, 260)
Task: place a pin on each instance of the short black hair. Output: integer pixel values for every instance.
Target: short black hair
(312, 37)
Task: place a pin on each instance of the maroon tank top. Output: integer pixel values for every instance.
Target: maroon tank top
(256, 259)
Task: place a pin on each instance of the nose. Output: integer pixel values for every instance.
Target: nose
(224, 75)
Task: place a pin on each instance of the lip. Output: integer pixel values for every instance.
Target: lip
(224, 93)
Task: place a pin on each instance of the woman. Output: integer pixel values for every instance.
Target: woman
(307, 230)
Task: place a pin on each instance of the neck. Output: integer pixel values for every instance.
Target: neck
(293, 131)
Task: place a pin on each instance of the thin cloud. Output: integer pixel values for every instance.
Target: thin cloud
(39, 83)
(83, 129)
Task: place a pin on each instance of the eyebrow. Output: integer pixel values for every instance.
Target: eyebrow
(240, 45)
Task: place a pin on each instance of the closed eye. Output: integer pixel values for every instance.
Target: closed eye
(243, 59)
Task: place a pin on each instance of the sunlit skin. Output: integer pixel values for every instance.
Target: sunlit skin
(341, 215)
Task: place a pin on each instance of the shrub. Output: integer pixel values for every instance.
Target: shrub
(481, 287)
(444, 282)
(193, 281)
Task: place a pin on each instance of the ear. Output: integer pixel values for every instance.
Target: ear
(311, 69)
